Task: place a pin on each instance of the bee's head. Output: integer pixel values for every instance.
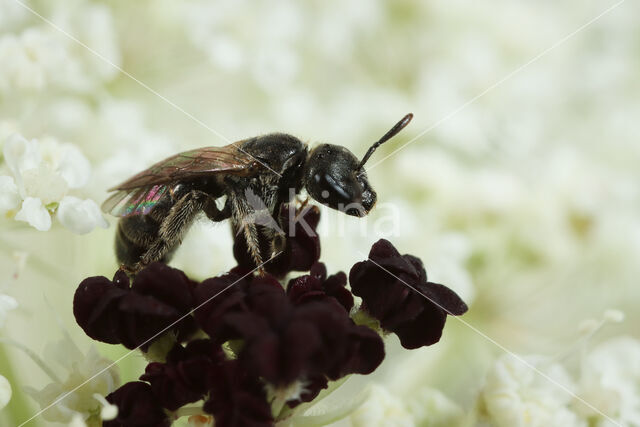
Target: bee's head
(335, 177)
(332, 178)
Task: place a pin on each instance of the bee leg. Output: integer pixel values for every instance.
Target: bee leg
(278, 243)
(129, 270)
(276, 235)
(173, 227)
(251, 235)
(213, 213)
(242, 213)
(303, 203)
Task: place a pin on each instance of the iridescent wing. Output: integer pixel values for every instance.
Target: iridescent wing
(192, 164)
(139, 194)
(138, 201)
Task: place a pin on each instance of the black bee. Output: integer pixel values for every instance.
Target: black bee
(159, 204)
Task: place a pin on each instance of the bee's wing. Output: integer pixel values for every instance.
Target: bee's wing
(139, 194)
(138, 201)
(191, 164)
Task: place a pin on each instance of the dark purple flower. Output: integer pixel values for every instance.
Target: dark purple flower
(395, 290)
(364, 353)
(116, 313)
(95, 299)
(217, 297)
(275, 347)
(137, 407)
(284, 342)
(316, 285)
(301, 247)
(237, 399)
(183, 378)
(344, 348)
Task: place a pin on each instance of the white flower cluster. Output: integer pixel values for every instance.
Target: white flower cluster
(88, 377)
(610, 381)
(42, 57)
(537, 391)
(12, 14)
(425, 406)
(32, 60)
(41, 174)
(518, 396)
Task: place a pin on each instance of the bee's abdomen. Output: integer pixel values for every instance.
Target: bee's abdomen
(136, 234)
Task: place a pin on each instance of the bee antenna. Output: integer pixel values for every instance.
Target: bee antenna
(387, 136)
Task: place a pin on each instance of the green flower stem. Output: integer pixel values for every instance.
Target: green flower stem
(18, 408)
(329, 417)
(36, 359)
(36, 262)
(362, 318)
(187, 411)
(277, 406)
(288, 413)
(160, 348)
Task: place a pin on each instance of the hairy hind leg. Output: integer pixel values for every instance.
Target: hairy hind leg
(173, 227)
(242, 223)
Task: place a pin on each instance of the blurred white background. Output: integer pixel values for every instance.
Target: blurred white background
(516, 182)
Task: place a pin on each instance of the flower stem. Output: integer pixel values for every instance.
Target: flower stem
(18, 408)
(33, 356)
(187, 411)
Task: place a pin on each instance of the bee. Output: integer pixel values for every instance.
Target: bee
(158, 205)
